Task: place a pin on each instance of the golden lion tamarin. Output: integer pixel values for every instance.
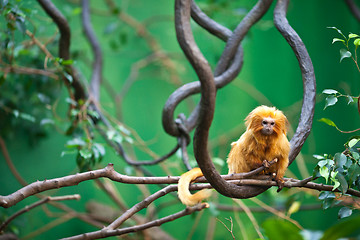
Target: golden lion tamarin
(264, 140)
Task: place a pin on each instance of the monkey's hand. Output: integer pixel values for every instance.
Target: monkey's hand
(280, 182)
(266, 164)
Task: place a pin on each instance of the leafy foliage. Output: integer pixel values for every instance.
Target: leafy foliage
(342, 171)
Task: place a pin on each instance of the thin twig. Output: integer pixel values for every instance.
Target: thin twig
(250, 216)
(275, 212)
(117, 232)
(36, 204)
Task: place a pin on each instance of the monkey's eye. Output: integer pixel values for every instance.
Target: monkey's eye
(264, 122)
(272, 123)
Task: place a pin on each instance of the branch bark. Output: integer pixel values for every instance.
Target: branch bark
(64, 45)
(308, 76)
(95, 46)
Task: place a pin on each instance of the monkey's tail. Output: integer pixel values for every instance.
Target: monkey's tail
(183, 188)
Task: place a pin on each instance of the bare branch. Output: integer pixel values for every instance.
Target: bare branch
(354, 9)
(241, 30)
(96, 76)
(36, 204)
(64, 45)
(107, 172)
(117, 232)
(308, 76)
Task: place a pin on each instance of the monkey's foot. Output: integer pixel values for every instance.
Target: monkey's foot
(266, 164)
(280, 182)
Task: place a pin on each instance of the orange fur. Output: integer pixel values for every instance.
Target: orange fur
(183, 188)
(249, 152)
(253, 147)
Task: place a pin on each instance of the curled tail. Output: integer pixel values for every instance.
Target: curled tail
(183, 188)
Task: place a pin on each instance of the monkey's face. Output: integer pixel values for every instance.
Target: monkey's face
(267, 121)
(268, 125)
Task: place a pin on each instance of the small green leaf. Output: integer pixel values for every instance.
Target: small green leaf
(338, 40)
(76, 142)
(280, 229)
(350, 99)
(85, 153)
(344, 186)
(353, 142)
(318, 157)
(338, 30)
(353, 35)
(67, 62)
(46, 121)
(336, 185)
(329, 91)
(353, 172)
(326, 195)
(344, 212)
(342, 229)
(344, 54)
(324, 172)
(340, 159)
(357, 42)
(355, 155)
(330, 101)
(68, 77)
(328, 122)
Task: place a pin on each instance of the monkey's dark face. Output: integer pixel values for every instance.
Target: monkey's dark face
(268, 125)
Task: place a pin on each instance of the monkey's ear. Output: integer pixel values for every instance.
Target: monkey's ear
(286, 123)
(249, 118)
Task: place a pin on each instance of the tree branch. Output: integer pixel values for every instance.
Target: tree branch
(36, 204)
(96, 76)
(64, 45)
(117, 232)
(308, 76)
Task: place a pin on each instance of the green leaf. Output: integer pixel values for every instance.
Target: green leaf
(344, 186)
(327, 203)
(329, 91)
(76, 142)
(344, 212)
(340, 159)
(353, 35)
(353, 172)
(280, 229)
(353, 142)
(46, 121)
(342, 229)
(326, 195)
(338, 30)
(68, 77)
(330, 101)
(350, 99)
(27, 117)
(85, 153)
(344, 54)
(318, 157)
(67, 62)
(324, 172)
(328, 122)
(337, 40)
(357, 42)
(326, 162)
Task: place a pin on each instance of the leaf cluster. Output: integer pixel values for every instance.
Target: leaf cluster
(345, 52)
(342, 171)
